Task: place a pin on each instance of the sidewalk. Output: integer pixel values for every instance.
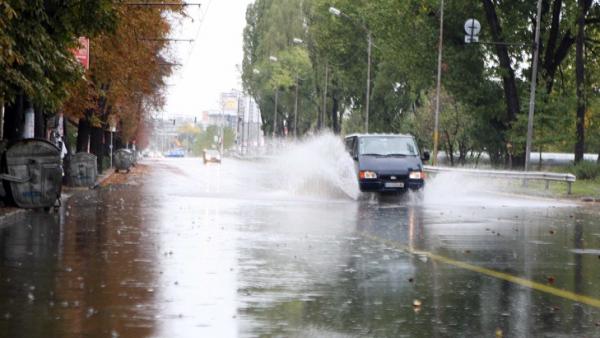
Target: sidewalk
(14, 214)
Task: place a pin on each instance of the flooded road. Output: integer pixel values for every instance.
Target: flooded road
(246, 249)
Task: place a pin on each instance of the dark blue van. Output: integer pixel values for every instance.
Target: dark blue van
(387, 162)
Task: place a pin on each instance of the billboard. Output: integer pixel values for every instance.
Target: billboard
(82, 54)
(229, 103)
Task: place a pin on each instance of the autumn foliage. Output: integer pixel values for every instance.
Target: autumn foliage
(127, 71)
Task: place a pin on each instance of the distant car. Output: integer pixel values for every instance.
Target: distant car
(212, 155)
(387, 162)
(175, 153)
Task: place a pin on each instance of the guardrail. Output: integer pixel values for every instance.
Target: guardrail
(507, 174)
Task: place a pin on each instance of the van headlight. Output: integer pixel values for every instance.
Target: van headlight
(366, 174)
(416, 175)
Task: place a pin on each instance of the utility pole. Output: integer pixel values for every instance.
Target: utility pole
(368, 94)
(436, 133)
(533, 86)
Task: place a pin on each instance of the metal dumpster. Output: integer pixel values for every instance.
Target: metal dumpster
(34, 173)
(123, 159)
(83, 170)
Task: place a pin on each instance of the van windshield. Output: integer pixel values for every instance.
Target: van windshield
(387, 146)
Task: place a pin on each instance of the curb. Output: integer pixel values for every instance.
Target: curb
(589, 199)
(103, 178)
(12, 216)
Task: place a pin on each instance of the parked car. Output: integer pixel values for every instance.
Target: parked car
(387, 162)
(211, 155)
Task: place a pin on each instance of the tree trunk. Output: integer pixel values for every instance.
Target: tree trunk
(555, 56)
(97, 145)
(83, 135)
(508, 78)
(579, 80)
(335, 122)
(449, 148)
(14, 118)
(107, 138)
(40, 123)
(462, 153)
(67, 158)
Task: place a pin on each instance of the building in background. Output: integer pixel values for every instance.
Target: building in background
(249, 133)
(237, 112)
(240, 113)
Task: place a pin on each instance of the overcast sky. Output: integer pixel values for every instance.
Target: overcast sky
(209, 63)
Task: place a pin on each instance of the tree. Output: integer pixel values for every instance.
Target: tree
(36, 62)
(125, 79)
(272, 29)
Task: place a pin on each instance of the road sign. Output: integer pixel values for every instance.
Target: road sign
(472, 27)
(471, 39)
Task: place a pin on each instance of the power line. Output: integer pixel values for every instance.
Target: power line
(155, 4)
(166, 39)
(197, 33)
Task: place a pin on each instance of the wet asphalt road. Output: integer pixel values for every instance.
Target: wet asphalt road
(222, 251)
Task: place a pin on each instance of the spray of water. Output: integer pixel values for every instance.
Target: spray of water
(458, 190)
(317, 166)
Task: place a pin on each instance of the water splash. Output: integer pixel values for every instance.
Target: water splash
(317, 166)
(459, 190)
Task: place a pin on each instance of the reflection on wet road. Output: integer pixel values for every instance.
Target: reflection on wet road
(227, 250)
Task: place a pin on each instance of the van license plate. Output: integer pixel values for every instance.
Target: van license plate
(394, 185)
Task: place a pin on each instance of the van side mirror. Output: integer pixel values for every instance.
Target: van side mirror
(425, 156)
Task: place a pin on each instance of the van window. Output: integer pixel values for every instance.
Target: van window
(387, 145)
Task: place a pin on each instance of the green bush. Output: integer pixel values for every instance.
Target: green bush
(585, 170)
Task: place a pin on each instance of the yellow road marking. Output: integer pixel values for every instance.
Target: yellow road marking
(500, 275)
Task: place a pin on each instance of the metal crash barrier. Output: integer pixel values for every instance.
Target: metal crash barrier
(83, 170)
(123, 159)
(34, 173)
(507, 174)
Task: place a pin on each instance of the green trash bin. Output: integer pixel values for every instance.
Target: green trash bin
(123, 159)
(83, 170)
(34, 173)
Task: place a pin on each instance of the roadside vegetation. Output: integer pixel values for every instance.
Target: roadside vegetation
(301, 49)
(586, 186)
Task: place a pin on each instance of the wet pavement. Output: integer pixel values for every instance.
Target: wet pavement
(231, 250)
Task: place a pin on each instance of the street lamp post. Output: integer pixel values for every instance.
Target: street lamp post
(296, 41)
(337, 12)
(275, 112)
(274, 59)
(296, 109)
